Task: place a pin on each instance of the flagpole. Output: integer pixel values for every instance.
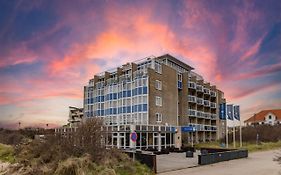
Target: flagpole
(241, 144)
(234, 130)
(226, 118)
(226, 136)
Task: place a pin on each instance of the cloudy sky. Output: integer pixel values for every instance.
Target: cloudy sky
(50, 49)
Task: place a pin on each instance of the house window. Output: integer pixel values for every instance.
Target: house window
(158, 101)
(158, 117)
(158, 68)
(180, 77)
(158, 85)
(269, 117)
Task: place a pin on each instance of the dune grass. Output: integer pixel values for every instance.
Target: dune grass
(6, 153)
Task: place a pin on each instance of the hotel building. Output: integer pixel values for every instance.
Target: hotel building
(161, 98)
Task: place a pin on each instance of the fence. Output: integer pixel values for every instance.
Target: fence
(210, 156)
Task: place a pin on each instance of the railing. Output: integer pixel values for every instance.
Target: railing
(213, 105)
(191, 99)
(207, 103)
(199, 88)
(100, 84)
(125, 78)
(206, 91)
(200, 114)
(192, 112)
(207, 115)
(200, 101)
(213, 94)
(140, 73)
(192, 85)
(111, 81)
(213, 116)
(202, 127)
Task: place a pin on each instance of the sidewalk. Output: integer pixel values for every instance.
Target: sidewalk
(258, 163)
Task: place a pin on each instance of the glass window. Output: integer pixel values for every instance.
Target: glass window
(158, 101)
(158, 117)
(158, 85)
(158, 68)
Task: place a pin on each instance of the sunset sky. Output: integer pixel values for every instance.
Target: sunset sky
(50, 49)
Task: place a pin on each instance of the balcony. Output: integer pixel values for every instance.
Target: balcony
(207, 115)
(192, 112)
(213, 94)
(200, 101)
(213, 116)
(206, 103)
(199, 88)
(191, 85)
(111, 81)
(200, 114)
(125, 78)
(213, 105)
(191, 99)
(140, 73)
(206, 91)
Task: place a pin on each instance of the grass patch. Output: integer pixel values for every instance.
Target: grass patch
(263, 146)
(252, 147)
(7, 153)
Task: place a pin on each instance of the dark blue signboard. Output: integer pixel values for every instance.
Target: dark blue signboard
(229, 109)
(237, 112)
(222, 111)
(187, 129)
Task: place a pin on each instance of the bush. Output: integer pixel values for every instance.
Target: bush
(78, 153)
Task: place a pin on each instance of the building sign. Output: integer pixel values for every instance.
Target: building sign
(188, 129)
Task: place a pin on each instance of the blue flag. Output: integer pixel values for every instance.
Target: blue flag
(237, 112)
(229, 110)
(222, 111)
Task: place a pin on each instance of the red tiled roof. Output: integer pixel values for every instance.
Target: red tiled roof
(261, 115)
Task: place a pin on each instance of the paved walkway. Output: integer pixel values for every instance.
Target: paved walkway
(259, 163)
(175, 161)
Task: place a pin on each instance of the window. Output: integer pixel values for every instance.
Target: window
(158, 68)
(179, 77)
(269, 117)
(158, 101)
(158, 85)
(158, 117)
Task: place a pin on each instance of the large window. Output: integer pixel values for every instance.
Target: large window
(158, 68)
(158, 117)
(158, 85)
(158, 101)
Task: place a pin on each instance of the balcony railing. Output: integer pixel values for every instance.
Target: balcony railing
(202, 127)
(207, 103)
(200, 101)
(200, 114)
(207, 115)
(111, 81)
(206, 91)
(213, 116)
(192, 112)
(191, 85)
(213, 105)
(191, 99)
(140, 73)
(213, 93)
(199, 88)
(125, 78)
